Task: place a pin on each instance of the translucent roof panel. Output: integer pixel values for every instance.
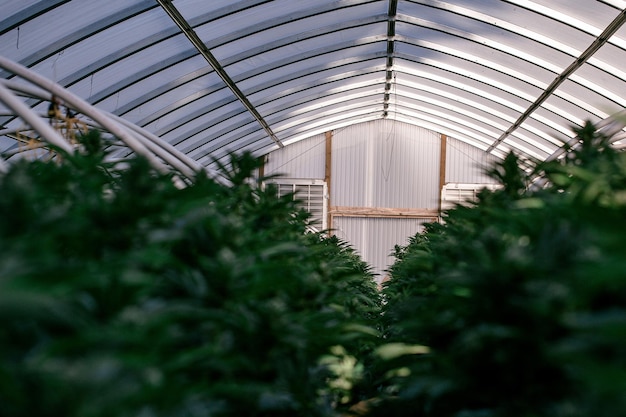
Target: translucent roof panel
(211, 77)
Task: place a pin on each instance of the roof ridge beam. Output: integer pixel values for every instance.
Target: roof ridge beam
(391, 34)
(193, 37)
(602, 39)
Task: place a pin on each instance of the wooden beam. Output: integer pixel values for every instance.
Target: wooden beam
(384, 212)
(327, 176)
(442, 166)
(262, 166)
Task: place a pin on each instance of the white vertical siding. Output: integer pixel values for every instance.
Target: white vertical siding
(303, 159)
(375, 238)
(385, 164)
(381, 163)
(466, 163)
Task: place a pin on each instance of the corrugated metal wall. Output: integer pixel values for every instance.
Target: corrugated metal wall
(466, 163)
(303, 159)
(375, 238)
(381, 164)
(385, 164)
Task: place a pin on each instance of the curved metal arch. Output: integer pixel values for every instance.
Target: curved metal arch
(306, 105)
(513, 29)
(79, 35)
(293, 90)
(322, 125)
(125, 82)
(262, 25)
(530, 6)
(220, 131)
(602, 37)
(147, 73)
(211, 123)
(318, 71)
(138, 46)
(447, 100)
(505, 120)
(283, 93)
(185, 101)
(240, 132)
(485, 62)
(528, 98)
(268, 68)
(558, 16)
(108, 61)
(497, 23)
(328, 80)
(302, 133)
(30, 12)
(307, 131)
(205, 127)
(202, 113)
(84, 34)
(313, 34)
(321, 112)
(503, 48)
(172, 85)
(320, 94)
(545, 136)
(197, 22)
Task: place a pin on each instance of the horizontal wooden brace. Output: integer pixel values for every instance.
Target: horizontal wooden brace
(406, 213)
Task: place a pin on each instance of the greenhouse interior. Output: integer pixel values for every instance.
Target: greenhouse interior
(321, 208)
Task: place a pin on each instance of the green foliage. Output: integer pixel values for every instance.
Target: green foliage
(520, 298)
(122, 295)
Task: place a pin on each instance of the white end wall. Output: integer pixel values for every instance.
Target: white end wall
(381, 164)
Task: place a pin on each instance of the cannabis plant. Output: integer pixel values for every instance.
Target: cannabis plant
(124, 295)
(518, 301)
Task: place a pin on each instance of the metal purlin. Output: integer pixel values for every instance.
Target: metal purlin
(193, 37)
(582, 59)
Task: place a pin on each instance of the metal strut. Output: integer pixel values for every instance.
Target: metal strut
(193, 37)
(582, 59)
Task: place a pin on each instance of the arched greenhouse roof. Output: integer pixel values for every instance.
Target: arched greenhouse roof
(211, 77)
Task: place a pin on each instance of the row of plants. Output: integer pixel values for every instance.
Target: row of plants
(519, 299)
(122, 294)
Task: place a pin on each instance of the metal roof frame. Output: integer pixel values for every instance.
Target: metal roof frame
(255, 75)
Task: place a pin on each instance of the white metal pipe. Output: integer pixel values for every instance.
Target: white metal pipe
(184, 158)
(83, 107)
(163, 154)
(170, 152)
(152, 145)
(46, 131)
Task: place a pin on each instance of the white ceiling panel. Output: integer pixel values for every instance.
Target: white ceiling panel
(216, 76)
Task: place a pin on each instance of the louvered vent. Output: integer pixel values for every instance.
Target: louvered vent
(311, 196)
(457, 193)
